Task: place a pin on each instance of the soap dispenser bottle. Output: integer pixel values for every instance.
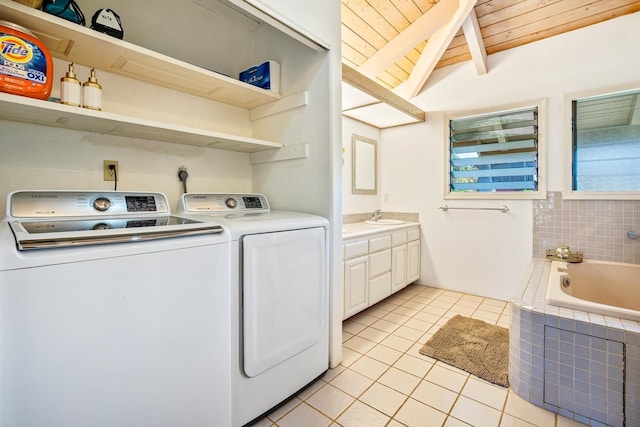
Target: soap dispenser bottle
(92, 93)
(70, 88)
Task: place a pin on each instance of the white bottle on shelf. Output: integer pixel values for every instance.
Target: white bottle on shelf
(92, 93)
(70, 88)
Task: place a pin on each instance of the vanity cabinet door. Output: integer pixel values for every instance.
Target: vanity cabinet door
(356, 285)
(398, 268)
(413, 261)
(379, 288)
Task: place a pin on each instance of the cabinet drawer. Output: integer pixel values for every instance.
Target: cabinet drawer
(379, 243)
(413, 235)
(355, 249)
(379, 263)
(399, 238)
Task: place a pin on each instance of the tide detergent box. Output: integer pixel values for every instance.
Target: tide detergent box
(265, 76)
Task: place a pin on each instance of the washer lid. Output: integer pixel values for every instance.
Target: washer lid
(54, 219)
(43, 234)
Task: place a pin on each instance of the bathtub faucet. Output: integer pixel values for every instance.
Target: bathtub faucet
(376, 215)
(633, 234)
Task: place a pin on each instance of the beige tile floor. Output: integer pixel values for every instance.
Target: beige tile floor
(384, 380)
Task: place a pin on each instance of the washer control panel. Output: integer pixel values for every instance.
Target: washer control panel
(39, 204)
(224, 203)
(231, 202)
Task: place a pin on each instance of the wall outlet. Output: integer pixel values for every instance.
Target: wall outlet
(110, 174)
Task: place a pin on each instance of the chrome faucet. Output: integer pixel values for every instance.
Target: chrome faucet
(376, 215)
(633, 234)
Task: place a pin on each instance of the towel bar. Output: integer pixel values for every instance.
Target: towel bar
(502, 208)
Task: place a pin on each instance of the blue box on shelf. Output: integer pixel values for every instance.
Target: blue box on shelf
(265, 76)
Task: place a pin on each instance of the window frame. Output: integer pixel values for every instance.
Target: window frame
(540, 193)
(568, 191)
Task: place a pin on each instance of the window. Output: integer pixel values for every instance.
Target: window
(606, 145)
(495, 155)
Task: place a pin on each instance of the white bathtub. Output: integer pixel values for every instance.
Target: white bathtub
(608, 288)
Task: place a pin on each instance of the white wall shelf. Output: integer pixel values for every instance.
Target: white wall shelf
(75, 43)
(35, 111)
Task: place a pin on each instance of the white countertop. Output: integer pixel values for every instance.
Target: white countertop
(359, 229)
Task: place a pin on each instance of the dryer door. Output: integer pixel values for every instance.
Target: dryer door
(285, 296)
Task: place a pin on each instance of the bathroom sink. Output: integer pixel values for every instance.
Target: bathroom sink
(385, 222)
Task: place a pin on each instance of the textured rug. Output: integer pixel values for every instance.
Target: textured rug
(473, 346)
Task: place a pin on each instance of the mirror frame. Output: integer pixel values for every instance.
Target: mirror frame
(355, 139)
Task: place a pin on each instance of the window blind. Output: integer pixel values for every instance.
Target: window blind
(494, 152)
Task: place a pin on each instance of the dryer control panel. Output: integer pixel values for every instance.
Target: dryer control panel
(223, 203)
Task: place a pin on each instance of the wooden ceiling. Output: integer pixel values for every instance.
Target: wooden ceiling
(398, 43)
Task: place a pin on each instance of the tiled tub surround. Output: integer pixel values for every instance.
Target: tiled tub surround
(597, 228)
(581, 365)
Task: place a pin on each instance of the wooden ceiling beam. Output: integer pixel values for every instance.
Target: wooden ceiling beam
(417, 32)
(475, 43)
(432, 53)
(368, 86)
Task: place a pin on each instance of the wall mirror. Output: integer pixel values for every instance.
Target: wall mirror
(364, 165)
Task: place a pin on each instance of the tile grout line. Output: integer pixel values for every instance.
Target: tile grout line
(445, 302)
(423, 378)
(407, 397)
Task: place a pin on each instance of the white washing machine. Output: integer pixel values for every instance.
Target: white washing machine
(113, 312)
(280, 298)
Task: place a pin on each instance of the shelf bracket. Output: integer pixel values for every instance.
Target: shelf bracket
(285, 104)
(288, 152)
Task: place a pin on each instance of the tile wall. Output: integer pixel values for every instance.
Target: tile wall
(598, 228)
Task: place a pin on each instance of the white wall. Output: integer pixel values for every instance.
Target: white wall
(37, 157)
(486, 252)
(46, 158)
(305, 184)
(357, 203)
(318, 19)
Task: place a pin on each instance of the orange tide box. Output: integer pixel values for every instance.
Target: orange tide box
(26, 67)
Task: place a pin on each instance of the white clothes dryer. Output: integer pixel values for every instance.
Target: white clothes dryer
(280, 298)
(113, 312)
